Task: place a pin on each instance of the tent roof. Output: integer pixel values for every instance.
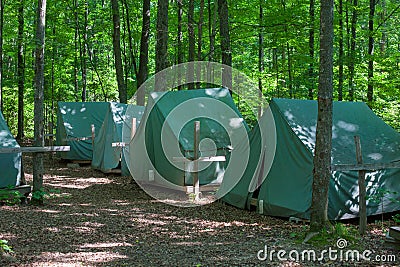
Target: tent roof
(74, 120)
(380, 143)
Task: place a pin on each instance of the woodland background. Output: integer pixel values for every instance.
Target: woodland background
(274, 42)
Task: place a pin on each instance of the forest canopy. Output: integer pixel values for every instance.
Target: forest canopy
(274, 42)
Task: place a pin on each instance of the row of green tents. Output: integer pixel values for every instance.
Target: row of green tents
(77, 120)
(279, 171)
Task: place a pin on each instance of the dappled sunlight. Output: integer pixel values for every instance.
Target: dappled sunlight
(77, 183)
(105, 245)
(56, 258)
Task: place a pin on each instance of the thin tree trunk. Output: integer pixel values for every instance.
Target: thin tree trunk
(290, 78)
(161, 42)
(83, 54)
(341, 52)
(352, 50)
(384, 35)
(20, 71)
(200, 41)
(225, 42)
(179, 41)
(192, 44)
(370, 92)
(144, 51)
(1, 52)
(76, 51)
(130, 38)
(39, 99)
(311, 50)
(323, 145)
(260, 55)
(117, 52)
(213, 28)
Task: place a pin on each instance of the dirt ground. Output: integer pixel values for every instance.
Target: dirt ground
(94, 219)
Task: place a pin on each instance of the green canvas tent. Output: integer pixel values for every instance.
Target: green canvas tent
(105, 156)
(280, 177)
(74, 120)
(10, 163)
(166, 133)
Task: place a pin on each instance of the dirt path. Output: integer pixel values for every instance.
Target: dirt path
(93, 219)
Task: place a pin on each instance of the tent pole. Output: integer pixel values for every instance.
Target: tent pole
(93, 135)
(196, 140)
(133, 128)
(361, 189)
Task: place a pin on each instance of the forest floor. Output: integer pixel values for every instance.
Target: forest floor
(94, 219)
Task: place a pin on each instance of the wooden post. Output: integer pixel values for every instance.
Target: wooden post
(93, 134)
(133, 128)
(361, 189)
(196, 141)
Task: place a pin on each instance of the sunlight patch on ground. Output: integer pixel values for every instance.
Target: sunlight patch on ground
(78, 183)
(105, 245)
(57, 258)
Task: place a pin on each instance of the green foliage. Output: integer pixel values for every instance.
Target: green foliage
(10, 197)
(38, 195)
(339, 230)
(396, 218)
(4, 247)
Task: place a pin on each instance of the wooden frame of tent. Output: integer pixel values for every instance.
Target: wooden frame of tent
(188, 189)
(362, 169)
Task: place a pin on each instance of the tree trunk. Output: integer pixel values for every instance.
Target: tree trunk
(341, 52)
(161, 42)
(20, 70)
(129, 29)
(212, 29)
(311, 50)
(76, 44)
(290, 78)
(179, 41)
(323, 145)
(352, 53)
(144, 51)
(192, 44)
(260, 55)
(83, 54)
(117, 52)
(200, 41)
(1, 52)
(225, 42)
(370, 92)
(39, 99)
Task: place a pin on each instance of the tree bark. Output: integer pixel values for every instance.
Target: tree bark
(179, 41)
(311, 50)
(1, 52)
(192, 44)
(117, 52)
(83, 56)
(352, 54)
(76, 44)
(20, 71)
(225, 42)
(144, 51)
(161, 42)
(260, 55)
(200, 42)
(39, 98)
(341, 52)
(323, 145)
(370, 92)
